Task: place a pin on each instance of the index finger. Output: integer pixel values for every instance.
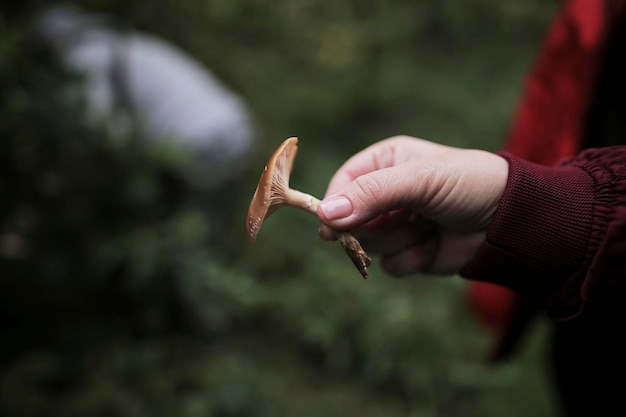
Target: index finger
(384, 154)
(377, 156)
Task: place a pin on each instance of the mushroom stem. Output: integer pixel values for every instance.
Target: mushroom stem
(301, 200)
(350, 244)
(273, 191)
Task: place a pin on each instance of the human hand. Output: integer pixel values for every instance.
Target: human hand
(421, 206)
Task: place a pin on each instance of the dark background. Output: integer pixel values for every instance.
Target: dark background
(126, 291)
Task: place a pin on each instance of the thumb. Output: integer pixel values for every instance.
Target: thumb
(372, 194)
(461, 189)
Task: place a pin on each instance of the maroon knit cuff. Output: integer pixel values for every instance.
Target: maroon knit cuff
(540, 231)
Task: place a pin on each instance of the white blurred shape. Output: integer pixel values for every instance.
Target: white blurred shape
(171, 95)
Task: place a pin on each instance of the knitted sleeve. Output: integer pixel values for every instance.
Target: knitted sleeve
(559, 234)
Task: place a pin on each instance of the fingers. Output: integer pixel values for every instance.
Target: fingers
(460, 188)
(406, 242)
(417, 258)
(375, 193)
(393, 233)
(440, 254)
(384, 154)
(405, 248)
(387, 153)
(382, 224)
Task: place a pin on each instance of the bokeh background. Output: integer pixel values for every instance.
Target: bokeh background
(127, 285)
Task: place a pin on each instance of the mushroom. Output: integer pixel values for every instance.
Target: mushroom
(273, 191)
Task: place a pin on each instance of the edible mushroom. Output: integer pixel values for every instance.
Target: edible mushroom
(273, 191)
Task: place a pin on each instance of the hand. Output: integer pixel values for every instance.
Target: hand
(423, 207)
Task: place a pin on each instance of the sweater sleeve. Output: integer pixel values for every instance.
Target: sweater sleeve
(559, 233)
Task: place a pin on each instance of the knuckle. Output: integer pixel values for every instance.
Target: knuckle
(400, 138)
(368, 189)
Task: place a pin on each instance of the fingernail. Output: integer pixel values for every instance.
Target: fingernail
(336, 207)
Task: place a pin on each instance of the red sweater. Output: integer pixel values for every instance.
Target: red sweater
(548, 126)
(558, 239)
(559, 234)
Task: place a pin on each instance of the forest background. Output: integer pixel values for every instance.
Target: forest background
(125, 294)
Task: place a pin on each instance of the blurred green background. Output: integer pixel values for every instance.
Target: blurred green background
(126, 293)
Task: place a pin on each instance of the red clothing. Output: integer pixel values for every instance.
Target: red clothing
(549, 126)
(582, 203)
(558, 239)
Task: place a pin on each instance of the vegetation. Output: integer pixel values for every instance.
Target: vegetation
(128, 288)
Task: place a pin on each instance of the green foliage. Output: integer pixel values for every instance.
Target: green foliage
(128, 290)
